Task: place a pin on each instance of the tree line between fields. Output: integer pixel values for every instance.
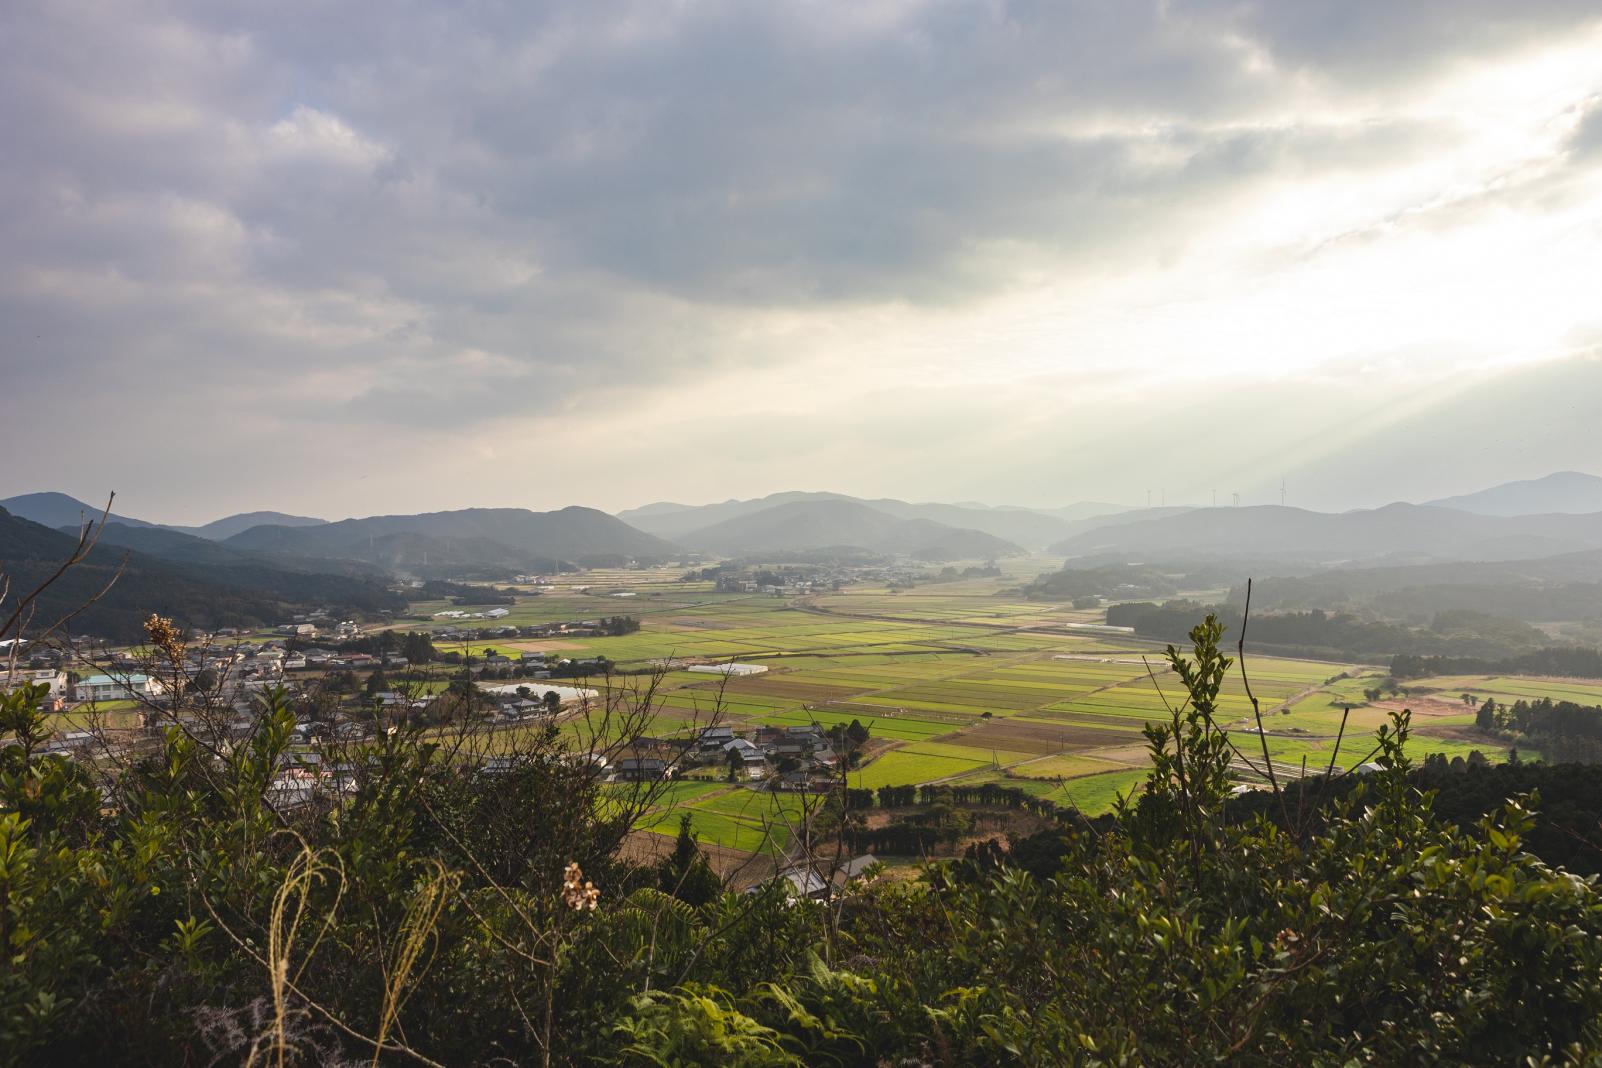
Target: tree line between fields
(438, 905)
(1459, 635)
(1563, 731)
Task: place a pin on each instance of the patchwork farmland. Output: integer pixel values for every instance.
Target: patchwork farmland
(957, 683)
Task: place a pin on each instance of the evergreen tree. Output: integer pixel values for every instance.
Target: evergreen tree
(685, 873)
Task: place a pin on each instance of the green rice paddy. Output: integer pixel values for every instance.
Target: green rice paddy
(961, 683)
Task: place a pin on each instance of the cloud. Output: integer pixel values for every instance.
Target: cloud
(301, 229)
(1587, 141)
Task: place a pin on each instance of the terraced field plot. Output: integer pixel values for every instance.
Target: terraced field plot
(1274, 682)
(1064, 767)
(997, 685)
(1320, 713)
(716, 828)
(1510, 689)
(733, 817)
(1092, 794)
(902, 767)
(1355, 749)
(1039, 737)
(965, 752)
(1097, 793)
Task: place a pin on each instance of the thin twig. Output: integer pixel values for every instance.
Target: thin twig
(1257, 711)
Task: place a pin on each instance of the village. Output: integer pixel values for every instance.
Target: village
(354, 685)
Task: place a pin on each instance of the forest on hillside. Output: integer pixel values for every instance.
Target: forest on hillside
(1340, 635)
(112, 590)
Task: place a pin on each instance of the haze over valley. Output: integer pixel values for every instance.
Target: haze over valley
(1526, 550)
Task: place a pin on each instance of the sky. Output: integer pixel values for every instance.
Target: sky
(344, 259)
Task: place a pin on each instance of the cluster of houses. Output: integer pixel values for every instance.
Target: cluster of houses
(535, 665)
(316, 658)
(789, 588)
(798, 757)
(247, 669)
(304, 628)
(239, 671)
(800, 581)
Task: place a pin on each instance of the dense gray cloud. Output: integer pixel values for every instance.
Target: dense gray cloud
(487, 234)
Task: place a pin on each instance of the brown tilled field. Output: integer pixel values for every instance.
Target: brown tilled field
(1026, 736)
(768, 686)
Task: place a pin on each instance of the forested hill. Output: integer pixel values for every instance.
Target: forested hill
(1295, 536)
(821, 524)
(1031, 529)
(228, 526)
(236, 592)
(506, 536)
(1563, 587)
(57, 510)
(1337, 635)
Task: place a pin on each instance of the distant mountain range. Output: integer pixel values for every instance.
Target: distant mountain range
(1397, 533)
(58, 510)
(804, 525)
(1031, 529)
(227, 527)
(1571, 492)
(1558, 514)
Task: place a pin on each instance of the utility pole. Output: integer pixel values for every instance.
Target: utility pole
(1236, 500)
(1282, 493)
(1215, 498)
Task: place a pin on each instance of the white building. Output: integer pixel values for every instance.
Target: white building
(54, 678)
(107, 688)
(729, 669)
